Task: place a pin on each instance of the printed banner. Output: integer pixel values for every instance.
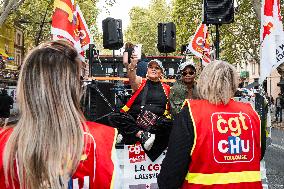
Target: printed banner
(139, 171)
(232, 137)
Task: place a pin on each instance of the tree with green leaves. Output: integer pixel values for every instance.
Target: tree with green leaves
(187, 16)
(8, 6)
(239, 41)
(143, 25)
(35, 17)
(35, 14)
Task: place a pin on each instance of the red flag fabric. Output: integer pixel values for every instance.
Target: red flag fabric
(84, 33)
(68, 22)
(271, 37)
(200, 45)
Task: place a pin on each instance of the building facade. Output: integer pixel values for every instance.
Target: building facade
(249, 72)
(11, 53)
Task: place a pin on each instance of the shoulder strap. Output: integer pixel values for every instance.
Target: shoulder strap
(144, 95)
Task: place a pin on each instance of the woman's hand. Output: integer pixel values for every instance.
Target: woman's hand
(134, 80)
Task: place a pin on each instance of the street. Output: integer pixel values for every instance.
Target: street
(274, 159)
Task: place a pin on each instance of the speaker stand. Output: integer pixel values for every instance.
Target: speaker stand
(217, 42)
(91, 59)
(113, 64)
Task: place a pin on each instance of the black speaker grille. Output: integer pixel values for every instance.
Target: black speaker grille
(218, 11)
(112, 33)
(166, 37)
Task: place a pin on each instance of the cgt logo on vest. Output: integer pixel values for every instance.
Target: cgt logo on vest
(232, 137)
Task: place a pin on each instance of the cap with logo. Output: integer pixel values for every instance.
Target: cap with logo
(185, 64)
(160, 64)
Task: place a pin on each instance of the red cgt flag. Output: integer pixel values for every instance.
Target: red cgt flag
(84, 33)
(68, 23)
(199, 45)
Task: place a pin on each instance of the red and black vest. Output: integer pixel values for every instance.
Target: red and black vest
(128, 105)
(227, 149)
(97, 168)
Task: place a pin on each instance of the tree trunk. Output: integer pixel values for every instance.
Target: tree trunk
(7, 7)
(257, 8)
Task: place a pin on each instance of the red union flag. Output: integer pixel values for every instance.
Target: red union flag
(199, 45)
(84, 33)
(68, 23)
(232, 137)
(271, 37)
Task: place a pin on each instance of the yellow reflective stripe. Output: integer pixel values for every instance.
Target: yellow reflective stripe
(125, 108)
(194, 128)
(184, 102)
(167, 114)
(223, 178)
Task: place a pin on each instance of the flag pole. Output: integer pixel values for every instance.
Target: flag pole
(41, 27)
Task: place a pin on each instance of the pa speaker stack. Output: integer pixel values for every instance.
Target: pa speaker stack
(218, 11)
(166, 37)
(112, 33)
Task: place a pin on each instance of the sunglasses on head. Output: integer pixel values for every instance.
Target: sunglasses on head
(185, 73)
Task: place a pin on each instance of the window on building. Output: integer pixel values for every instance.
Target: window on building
(19, 39)
(18, 59)
(253, 68)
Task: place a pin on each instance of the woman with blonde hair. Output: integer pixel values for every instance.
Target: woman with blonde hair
(215, 141)
(52, 146)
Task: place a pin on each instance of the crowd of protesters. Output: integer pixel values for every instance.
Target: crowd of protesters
(213, 141)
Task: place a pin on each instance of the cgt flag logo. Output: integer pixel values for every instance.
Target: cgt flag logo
(232, 137)
(199, 45)
(68, 22)
(136, 153)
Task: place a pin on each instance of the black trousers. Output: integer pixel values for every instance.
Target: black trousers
(278, 113)
(126, 125)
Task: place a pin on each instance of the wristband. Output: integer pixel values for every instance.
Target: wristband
(131, 68)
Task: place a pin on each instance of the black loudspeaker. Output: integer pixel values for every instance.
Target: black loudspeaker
(218, 11)
(112, 33)
(98, 101)
(166, 37)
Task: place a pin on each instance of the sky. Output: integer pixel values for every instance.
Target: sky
(120, 10)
